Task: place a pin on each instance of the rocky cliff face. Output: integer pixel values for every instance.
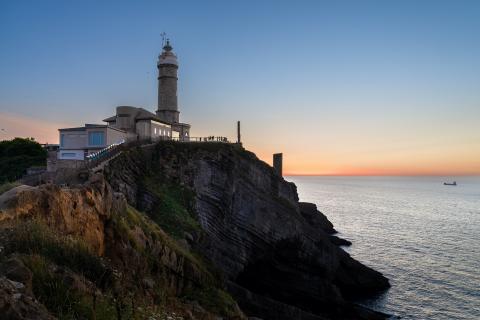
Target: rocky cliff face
(275, 253)
(164, 231)
(84, 253)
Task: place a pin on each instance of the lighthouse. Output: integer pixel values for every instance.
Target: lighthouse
(167, 109)
(167, 85)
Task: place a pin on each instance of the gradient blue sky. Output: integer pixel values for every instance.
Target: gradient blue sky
(341, 87)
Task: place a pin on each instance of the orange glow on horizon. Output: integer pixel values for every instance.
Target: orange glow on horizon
(24, 127)
(335, 156)
(379, 165)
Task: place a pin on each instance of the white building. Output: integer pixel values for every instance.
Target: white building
(76, 143)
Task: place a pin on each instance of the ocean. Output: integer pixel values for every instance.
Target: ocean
(422, 235)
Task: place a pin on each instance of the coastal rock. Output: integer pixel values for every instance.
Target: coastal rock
(276, 254)
(339, 241)
(315, 218)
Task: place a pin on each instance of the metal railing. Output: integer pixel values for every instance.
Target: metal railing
(104, 151)
(98, 157)
(198, 139)
(95, 159)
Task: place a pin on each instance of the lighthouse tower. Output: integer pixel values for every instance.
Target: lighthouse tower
(167, 85)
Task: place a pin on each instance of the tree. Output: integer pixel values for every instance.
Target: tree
(19, 154)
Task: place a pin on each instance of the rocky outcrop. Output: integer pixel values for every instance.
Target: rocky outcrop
(315, 218)
(256, 232)
(90, 230)
(79, 212)
(16, 304)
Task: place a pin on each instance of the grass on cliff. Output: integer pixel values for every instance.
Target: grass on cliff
(53, 259)
(70, 302)
(174, 210)
(61, 299)
(35, 237)
(125, 223)
(66, 300)
(208, 294)
(7, 186)
(214, 300)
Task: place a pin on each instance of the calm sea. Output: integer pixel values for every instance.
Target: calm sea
(424, 236)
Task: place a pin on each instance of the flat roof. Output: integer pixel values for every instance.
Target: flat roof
(91, 126)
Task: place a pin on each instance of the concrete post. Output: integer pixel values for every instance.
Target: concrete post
(278, 163)
(238, 132)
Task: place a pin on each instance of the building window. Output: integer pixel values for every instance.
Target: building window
(155, 131)
(68, 155)
(96, 138)
(62, 140)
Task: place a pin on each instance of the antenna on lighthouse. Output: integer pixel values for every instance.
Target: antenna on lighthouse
(164, 37)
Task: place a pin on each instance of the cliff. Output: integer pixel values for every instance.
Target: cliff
(270, 248)
(167, 230)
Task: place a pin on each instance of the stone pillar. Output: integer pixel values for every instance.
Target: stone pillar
(278, 163)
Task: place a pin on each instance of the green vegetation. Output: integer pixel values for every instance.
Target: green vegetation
(125, 222)
(174, 210)
(19, 154)
(7, 186)
(208, 294)
(36, 238)
(61, 299)
(43, 251)
(214, 300)
(53, 259)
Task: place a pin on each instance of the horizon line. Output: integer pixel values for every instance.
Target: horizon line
(381, 175)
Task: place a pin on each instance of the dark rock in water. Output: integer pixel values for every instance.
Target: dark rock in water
(339, 241)
(276, 252)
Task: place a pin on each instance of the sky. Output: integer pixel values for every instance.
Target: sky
(340, 87)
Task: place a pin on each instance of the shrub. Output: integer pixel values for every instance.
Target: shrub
(19, 154)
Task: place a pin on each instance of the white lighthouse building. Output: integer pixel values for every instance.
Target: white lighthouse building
(132, 123)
